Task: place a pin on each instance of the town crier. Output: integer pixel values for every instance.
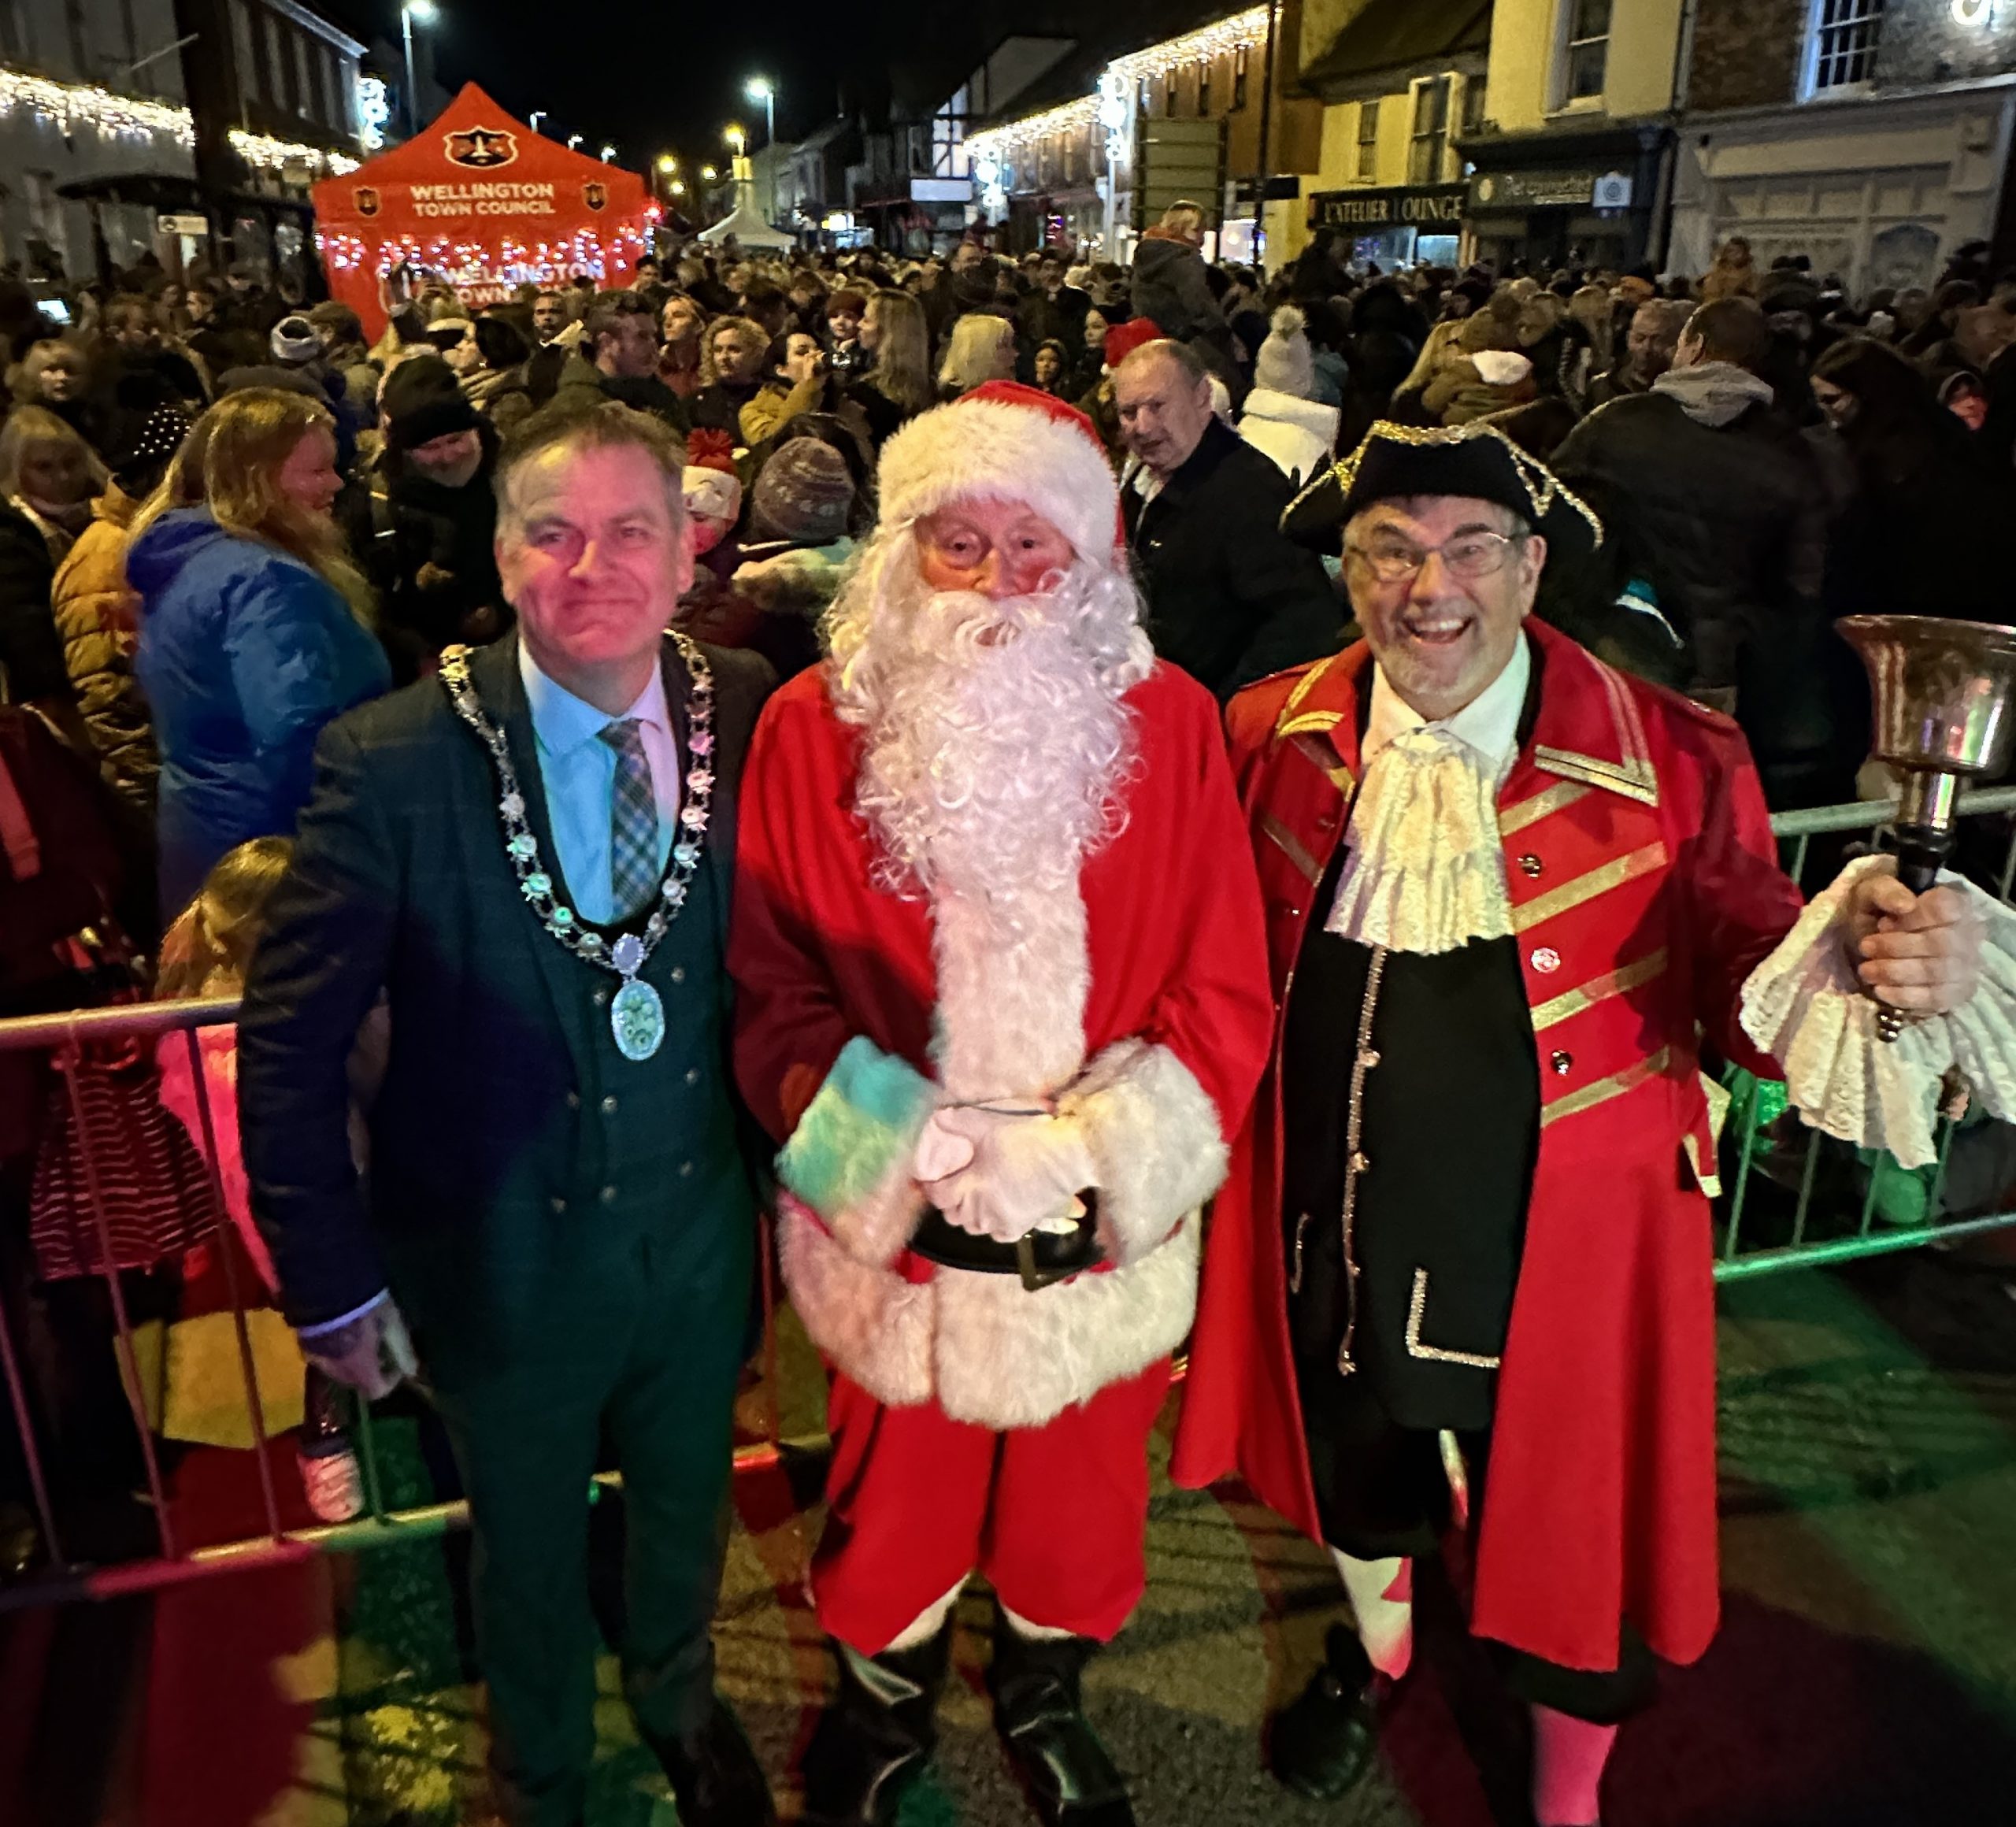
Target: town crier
(1460, 1273)
(1002, 992)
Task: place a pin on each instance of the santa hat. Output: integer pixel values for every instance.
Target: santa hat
(1123, 339)
(1006, 441)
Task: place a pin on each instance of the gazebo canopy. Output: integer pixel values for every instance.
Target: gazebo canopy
(480, 201)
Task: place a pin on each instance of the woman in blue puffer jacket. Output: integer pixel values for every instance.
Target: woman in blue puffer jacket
(254, 628)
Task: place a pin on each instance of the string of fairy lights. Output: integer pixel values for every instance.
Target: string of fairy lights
(473, 264)
(68, 106)
(991, 149)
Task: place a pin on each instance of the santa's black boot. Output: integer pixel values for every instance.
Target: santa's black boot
(1322, 1744)
(1038, 1709)
(875, 1739)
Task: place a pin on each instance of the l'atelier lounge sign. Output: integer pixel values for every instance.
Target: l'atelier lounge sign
(1441, 207)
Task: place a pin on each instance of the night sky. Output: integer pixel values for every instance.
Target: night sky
(653, 78)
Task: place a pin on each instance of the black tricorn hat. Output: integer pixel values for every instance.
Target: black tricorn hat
(1477, 461)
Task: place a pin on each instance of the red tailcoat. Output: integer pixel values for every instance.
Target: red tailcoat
(1645, 887)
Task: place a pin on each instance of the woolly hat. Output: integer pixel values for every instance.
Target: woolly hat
(1006, 441)
(294, 342)
(804, 494)
(1284, 363)
(420, 401)
(1123, 339)
(714, 493)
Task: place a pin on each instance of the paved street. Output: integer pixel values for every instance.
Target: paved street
(1866, 1676)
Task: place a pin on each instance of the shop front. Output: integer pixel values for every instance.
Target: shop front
(1541, 201)
(1419, 225)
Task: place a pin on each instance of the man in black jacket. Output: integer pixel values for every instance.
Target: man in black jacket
(530, 858)
(433, 519)
(1718, 508)
(1230, 599)
(618, 360)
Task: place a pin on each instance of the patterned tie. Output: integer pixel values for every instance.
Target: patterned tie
(633, 821)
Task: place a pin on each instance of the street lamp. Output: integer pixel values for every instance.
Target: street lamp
(668, 164)
(738, 141)
(679, 186)
(761, 89)
(426, 12)
(709, 173)
(608, 155)
(536, 115)
(573, 141)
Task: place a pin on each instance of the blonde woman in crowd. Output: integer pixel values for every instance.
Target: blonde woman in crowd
(255, 628)
(981, 348)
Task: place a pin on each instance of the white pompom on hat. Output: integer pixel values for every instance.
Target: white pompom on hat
(1006, 441)
(1285, 364)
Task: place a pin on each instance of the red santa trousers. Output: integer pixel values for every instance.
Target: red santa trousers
(1053, 1516)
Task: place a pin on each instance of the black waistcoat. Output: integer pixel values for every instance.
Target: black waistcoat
(1449, 1133)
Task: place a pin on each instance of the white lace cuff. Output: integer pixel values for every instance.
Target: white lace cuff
(1804, 1007)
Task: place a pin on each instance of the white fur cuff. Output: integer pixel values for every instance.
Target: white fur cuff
(1154, 1137)
(1804, 1007)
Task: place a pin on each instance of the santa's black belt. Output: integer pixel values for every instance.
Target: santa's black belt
(1041, 1259)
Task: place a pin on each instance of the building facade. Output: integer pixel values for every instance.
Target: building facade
(1873, 136)
(1570, 162)
(1192, 116)
(1402, 82)
(99, 141)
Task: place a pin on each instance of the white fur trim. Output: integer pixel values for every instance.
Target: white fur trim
(1804, 1007)
(986, 1348)
(1155, 1138)
(1011, 1000)
(988, 449)
(869, 1320)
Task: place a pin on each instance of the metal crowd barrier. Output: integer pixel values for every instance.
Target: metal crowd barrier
(1812, 1237)
(66, 1037)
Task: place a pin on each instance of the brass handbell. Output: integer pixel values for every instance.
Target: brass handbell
(1942, 692)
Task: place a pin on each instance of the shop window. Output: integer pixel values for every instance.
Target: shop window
(1204, 89)
(1426, 148)
(247, 57)
(1368, 141)
(1239, 77)
(1840, 49)
(1586, 50)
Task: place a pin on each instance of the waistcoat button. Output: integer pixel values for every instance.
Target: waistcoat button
(1545, 959)
(609, 1195)
(601, 999)
(609, 1107)
(1562, 1063)
(678, 973)
(692, 1075)
(1529, 864)
(559, 1206)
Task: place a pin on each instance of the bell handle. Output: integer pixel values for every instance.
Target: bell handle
(1921, 851)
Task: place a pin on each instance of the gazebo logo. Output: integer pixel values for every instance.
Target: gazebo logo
(482, 148)
(367, 200)
(595, 195)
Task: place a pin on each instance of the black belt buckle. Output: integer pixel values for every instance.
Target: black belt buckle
(1042, 1258)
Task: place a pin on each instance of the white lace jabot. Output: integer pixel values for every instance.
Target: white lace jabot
(1426, 871)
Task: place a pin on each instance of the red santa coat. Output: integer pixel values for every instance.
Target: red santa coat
(1147, 1010)
(1645, 887)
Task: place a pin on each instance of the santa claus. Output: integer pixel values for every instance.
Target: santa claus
(1002, 995)
(1460, 1273)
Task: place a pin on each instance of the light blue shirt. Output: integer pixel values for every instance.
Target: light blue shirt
(579, 772)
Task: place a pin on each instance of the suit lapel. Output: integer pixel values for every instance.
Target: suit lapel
(494, 673)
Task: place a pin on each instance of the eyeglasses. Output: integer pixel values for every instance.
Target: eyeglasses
(1468, 556)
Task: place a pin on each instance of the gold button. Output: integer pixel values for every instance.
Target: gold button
(601, 999)
(609, 1107)
(678, 973)
(1529, 864)
(1369, 1058)
(1562, 1063)
(1546, 960)
(1359, 1164)
(609, 1195)
(692, 1075)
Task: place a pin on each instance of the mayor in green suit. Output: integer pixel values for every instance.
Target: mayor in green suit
(530, 859)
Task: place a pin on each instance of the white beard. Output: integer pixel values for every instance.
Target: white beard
(996, 751)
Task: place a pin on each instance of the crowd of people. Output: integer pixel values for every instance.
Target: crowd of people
(1011, 534)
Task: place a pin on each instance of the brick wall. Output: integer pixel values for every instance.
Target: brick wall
(1923, 43)
(1746, 53)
